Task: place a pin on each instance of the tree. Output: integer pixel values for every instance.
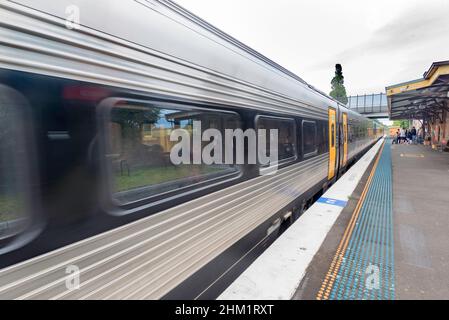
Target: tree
(132, 120)
(405, 124)
(338, 88)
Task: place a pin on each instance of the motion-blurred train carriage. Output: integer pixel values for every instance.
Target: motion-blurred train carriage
(86, 179)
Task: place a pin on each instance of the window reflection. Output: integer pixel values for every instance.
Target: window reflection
(286, 135)
(309, 132)
(139, 150)
(12, 169)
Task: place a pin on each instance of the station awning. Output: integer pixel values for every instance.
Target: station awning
(421, 98)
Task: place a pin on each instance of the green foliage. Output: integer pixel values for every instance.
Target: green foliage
(10, 207)
(132, 119)
(338, 88)
(405, 124)
(156, 175)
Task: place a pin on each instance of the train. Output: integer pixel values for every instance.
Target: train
(90, 205)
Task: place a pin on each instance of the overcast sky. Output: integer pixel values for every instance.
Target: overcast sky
(378, 42)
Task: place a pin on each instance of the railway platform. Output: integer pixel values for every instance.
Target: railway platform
(380, 233)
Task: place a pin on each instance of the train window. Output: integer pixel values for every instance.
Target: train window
(286, 136)
(333, 135)
(350, 133)
(322, 136)
(309, 138)
(13, 165)
(139, 150)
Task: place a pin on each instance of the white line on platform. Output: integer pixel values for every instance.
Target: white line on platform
(277, 273)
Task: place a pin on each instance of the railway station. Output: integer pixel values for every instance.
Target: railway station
(160, 158)
(380, 232)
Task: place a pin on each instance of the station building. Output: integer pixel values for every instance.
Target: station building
(426, 100)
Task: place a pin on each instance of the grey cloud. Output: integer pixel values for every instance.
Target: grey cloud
(415, 27)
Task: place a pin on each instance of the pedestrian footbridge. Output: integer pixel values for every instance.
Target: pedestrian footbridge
(374, 106)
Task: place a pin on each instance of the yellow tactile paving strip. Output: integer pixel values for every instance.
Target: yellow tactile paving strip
(326, 286)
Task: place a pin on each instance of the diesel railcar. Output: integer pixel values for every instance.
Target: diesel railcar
(86, 183)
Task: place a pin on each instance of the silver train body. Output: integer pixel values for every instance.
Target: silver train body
(186, 243)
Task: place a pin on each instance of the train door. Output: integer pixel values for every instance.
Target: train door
(332, 142)
(345, 138)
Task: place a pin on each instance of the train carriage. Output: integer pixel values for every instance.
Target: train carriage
(86, 181)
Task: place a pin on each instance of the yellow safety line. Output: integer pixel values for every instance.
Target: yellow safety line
(326, 286)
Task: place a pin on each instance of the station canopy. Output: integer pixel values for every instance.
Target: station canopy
(421, 98)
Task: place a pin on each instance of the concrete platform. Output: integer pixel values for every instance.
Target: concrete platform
(421, 222)
(420, 185)
(277, 273)
(363, 265)
(396, 219)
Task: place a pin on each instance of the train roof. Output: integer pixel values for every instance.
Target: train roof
(186, 38)
(223, 35)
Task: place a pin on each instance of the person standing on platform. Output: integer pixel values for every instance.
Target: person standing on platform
(397, 137)
(408, 134)
(402, 136)
(414, 135)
